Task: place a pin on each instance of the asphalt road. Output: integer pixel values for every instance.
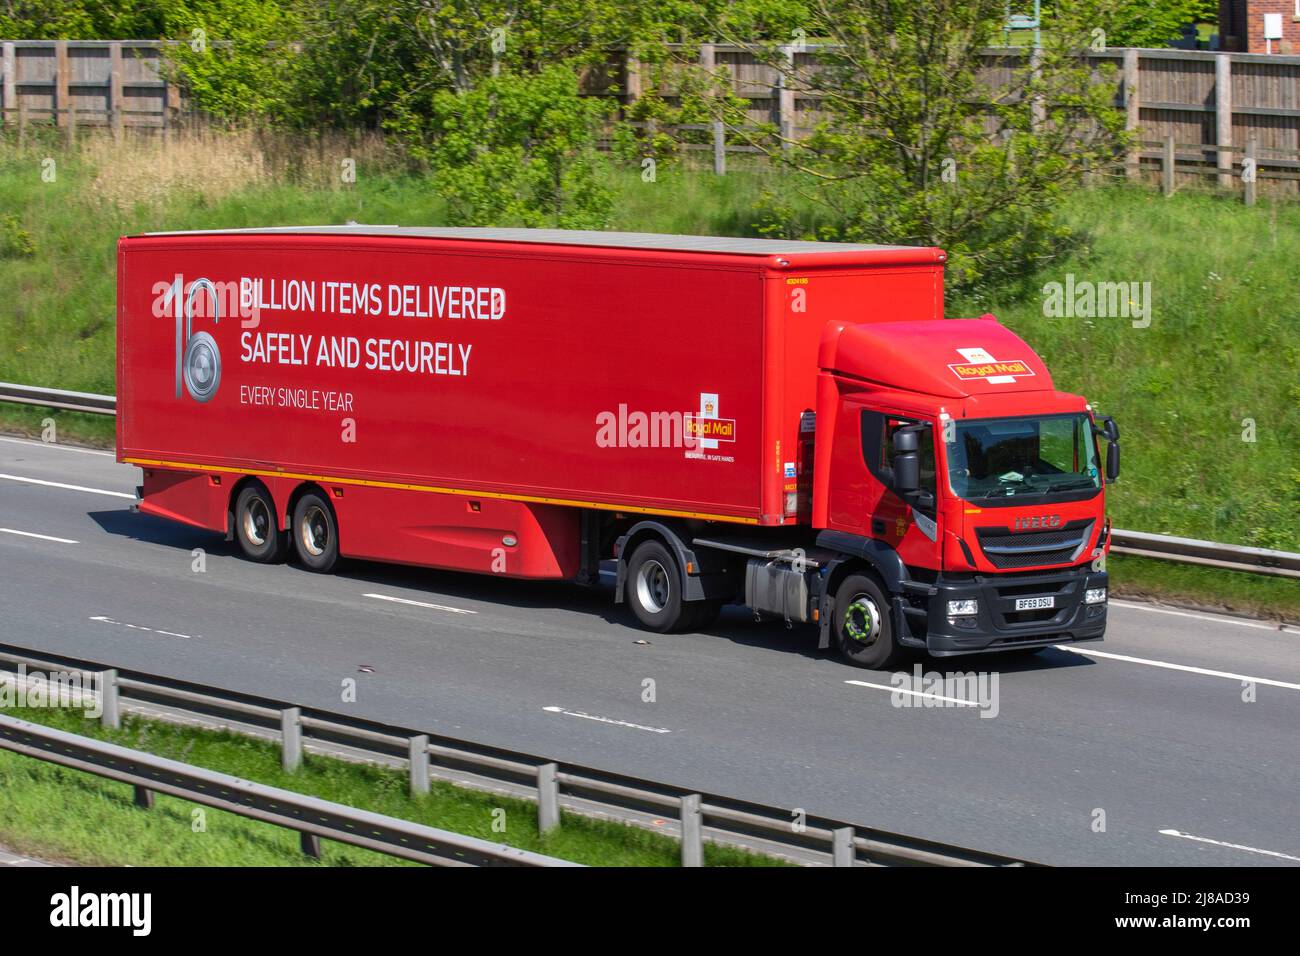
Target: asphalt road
(1147, 733)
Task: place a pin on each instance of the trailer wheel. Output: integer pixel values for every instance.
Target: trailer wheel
(255, 525)
(864, 631)
(654, 588)
(315, 533)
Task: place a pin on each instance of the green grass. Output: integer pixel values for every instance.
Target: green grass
(1223, 345)
(1237, 592)
(55, 813)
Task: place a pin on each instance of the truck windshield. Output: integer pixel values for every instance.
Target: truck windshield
(1041, 456)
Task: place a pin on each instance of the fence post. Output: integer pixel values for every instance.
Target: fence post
(143, 797)
(10, 85)
(111, 716)
(418, 755)
(719, 148)
(631, 80)
(1132, 112)
(1223, 116)
(692, 831)
(115, 88)
(1038, 103)
(785, 99)
(842, 852)
(291, 738)
(1167, 167)
(1252, 164)
(548, 798)
(61, 97)
(309, 843)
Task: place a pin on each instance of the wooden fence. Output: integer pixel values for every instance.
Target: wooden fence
(1213, 105)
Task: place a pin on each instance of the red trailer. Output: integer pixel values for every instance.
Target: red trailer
(729, 419)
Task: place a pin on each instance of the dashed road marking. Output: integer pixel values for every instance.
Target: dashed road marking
(65, 487)
(1186, 668)
(435, 607)
(140, 627)
(1230, 846)
(606, 720)
(50, 444)
(914, 693)
(1212, 618)
(42, 537)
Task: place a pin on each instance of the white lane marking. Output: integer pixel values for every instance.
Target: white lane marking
(914, 693)
(139, 627)
(50, 444)
(1213, 618)
(1230, 846)
(435, 607)
(43, 537)
(606, 720)
(59, 484)
(1177, 667)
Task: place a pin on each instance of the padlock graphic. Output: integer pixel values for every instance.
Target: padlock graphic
(198, 360)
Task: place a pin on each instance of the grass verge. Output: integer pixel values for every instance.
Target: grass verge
(56, 813)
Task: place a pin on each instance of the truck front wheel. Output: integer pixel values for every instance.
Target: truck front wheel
(255, 525)
(315, 533)
(864, 632)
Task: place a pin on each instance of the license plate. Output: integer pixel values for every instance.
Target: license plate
(1034, 604)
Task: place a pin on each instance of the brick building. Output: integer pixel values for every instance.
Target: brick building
(1241, 25)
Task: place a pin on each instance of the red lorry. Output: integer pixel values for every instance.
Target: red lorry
(791, 425)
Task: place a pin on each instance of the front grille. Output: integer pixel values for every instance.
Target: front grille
(1026, 549)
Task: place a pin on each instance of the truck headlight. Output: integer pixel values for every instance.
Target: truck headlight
(963, 608)
(1094, 596)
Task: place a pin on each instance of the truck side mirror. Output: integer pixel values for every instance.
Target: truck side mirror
(907, 463)
(1110, 431)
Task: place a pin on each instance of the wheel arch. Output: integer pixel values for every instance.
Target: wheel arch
(860, 556)
(668, 536)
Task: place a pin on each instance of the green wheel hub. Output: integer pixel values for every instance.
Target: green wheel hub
(862, 620)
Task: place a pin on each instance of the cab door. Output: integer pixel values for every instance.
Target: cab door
(912, 529)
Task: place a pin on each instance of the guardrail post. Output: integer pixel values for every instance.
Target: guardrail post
(419, 759)
(310, 845)
(548, 798)
(111, 716)
(692, 831)
(719, 149)
(842, 850)
(143, 797)
(291, 738)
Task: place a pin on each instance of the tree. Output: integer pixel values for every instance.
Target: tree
(916, 146)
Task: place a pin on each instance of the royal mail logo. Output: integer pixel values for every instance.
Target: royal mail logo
(714, 429)
(980, 365)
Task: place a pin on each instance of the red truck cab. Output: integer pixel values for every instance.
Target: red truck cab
(948, 461)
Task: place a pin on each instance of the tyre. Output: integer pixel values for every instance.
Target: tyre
(256, 529)
(864, 630)
(315, 533)
(654, 588)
